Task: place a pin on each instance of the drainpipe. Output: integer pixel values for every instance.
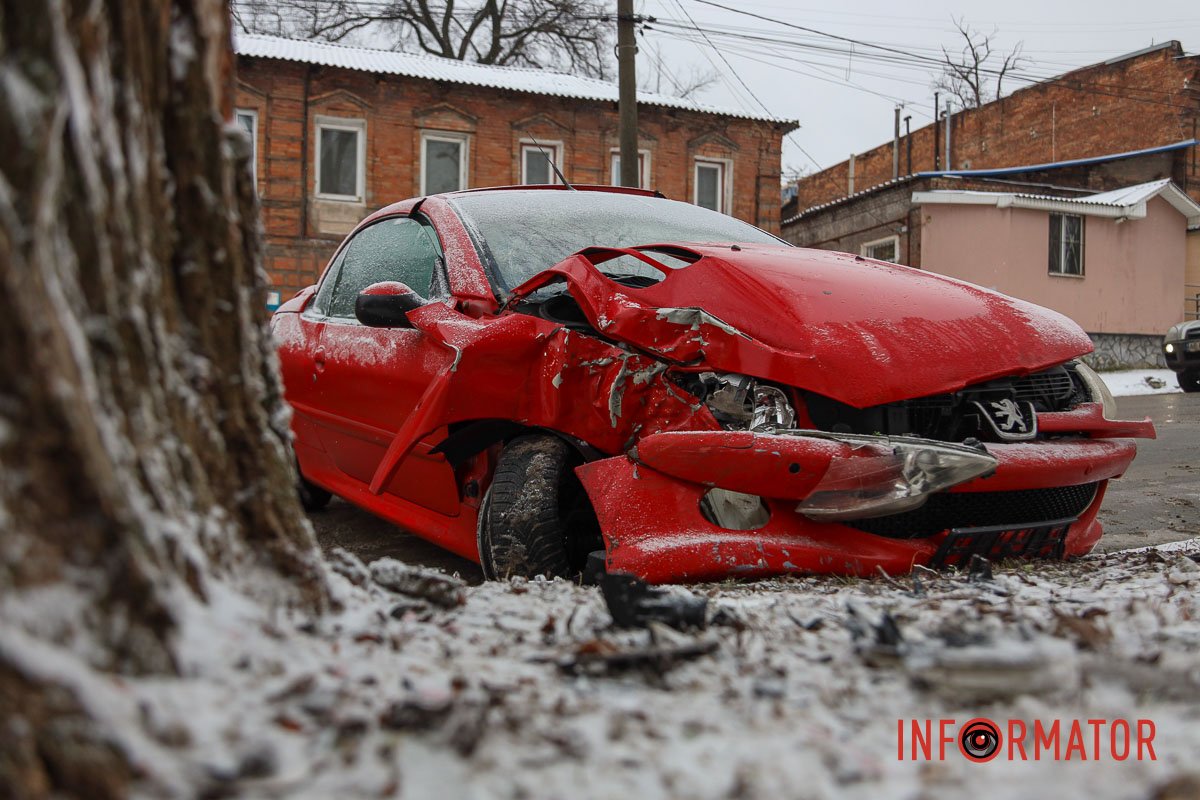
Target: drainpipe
(850, 181)
(896, 147)
(936, 113)
(949, 133)
(304, 157)
(908, 144)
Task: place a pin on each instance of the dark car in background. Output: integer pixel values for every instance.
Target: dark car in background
(1181, 346)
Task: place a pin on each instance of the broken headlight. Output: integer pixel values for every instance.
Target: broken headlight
(889, 474)
(1097, 389)
(740, 402)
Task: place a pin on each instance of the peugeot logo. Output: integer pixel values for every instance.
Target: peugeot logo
(1012, 420)
(1008, 416)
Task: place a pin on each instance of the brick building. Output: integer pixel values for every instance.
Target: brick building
(341, 131)
(1134, 102)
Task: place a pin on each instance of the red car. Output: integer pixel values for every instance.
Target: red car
(526, 376)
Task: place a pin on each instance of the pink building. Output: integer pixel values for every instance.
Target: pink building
(1114, 262)
(1115, 258)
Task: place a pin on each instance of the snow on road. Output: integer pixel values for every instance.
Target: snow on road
(506, 695)
(1128, 383)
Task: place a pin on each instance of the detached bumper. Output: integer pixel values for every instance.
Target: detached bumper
(653, 527)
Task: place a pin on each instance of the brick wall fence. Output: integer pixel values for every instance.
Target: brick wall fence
(1136, 103)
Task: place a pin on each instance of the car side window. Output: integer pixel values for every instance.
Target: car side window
(394, 249)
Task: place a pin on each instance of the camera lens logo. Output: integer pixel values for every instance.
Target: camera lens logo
(979, 740)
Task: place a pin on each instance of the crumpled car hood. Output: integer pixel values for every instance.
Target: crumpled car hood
(859, 331)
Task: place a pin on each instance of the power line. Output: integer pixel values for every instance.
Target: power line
(749, 91)
(909, 56)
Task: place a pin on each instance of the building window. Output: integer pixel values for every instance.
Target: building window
(614, 174)
(1066, 244)
(887, 249)
(443, 162)
(709, 185)
(247, 120)
(341, 159)
(535, 161)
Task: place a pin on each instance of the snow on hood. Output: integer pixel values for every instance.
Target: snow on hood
(859, 331)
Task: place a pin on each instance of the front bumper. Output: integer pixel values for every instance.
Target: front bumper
(653, 526)
(1179, 358)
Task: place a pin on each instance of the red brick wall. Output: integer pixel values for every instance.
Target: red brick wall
(1088, 113)
(302, 231)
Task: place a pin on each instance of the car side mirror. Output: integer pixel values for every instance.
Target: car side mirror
(386, 305)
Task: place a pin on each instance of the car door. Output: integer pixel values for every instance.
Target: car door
(368, 380)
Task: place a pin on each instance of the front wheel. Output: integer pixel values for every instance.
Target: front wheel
(1189, 381)
(535, 518)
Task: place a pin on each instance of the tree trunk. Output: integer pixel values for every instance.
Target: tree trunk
(143, 439)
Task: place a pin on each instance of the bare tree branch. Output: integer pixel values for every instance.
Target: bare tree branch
(566, 35)
(970, 74)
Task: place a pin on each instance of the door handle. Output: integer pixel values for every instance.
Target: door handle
(319, 359)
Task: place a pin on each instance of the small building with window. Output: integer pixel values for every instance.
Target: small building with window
(1115, 261)
(339, 132)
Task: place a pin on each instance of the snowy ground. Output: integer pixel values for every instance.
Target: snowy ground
(505, 695)
(1130, 382)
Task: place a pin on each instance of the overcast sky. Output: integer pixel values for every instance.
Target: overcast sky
(844, 100)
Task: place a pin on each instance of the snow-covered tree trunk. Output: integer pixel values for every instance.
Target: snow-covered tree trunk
(143, 440)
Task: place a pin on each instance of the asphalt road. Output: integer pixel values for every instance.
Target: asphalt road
(1157, 501)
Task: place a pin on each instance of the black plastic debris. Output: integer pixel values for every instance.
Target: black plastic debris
(879, 642)
(633, 603)
(979, 570)
(600, 657)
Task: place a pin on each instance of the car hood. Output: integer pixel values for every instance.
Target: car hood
(859, 331)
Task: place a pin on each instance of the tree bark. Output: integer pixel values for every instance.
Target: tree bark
(144, 452)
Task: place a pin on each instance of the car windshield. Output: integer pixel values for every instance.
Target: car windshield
(521, 233)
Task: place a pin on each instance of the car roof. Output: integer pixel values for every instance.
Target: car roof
(405, 206)
(575, 187)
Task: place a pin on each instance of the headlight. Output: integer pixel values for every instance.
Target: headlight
(1170, 348)
(889, 474)
(1097, 390)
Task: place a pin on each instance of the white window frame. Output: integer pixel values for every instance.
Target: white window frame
(643, 178)
(556, 150)
(358, 126)
(725, 192)
(893, 240)
(463, 160)
(1062, 246)
(253, 115)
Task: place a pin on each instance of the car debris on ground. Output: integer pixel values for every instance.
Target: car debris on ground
(794, 687)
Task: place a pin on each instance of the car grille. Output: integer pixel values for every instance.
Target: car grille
(1193, 333)
(950, 417)
(979, 509)
(1056, 384)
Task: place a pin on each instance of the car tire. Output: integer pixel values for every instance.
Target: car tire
(1189, 381)
(535, 518)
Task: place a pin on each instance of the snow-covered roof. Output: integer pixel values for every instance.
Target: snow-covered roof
(1127, 203)
(517, 79)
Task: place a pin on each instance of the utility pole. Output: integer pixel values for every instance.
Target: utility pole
(627, 88)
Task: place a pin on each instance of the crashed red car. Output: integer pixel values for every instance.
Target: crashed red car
(526, 376)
